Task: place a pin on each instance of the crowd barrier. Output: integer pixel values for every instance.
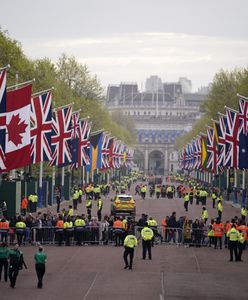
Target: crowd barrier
(100, 235)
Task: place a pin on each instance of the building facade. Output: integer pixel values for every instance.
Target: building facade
(160, 117)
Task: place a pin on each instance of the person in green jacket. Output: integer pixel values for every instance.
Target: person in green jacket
(4, 255)
(14, 264)
(40, 258)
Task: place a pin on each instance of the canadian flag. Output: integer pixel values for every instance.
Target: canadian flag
(17, 128)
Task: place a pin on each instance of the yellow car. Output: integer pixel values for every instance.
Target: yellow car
(123, 204)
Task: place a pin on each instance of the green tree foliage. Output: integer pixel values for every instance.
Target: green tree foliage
(72, 82)
(225, 87)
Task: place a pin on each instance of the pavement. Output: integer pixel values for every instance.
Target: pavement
(96, 272)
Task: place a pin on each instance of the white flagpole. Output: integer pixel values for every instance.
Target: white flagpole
(42, 92)
(20, 84)
(53, 185)
(82, 170)
(40, 197)
(243, 179)
(62, 183)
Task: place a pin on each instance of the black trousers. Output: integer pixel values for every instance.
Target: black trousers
(128, 252)
(216, 239)
(20, 236)
(40, 271)
(4, 264)
(99, 215)
(13, 273)
(186, 203)
(233, 248)
(146, 246)
(240, 251)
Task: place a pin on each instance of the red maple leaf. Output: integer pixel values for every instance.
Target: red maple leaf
(15, 129)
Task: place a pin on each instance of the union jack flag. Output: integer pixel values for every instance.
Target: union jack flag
(41, 127)
(212, 150)
(3, 95)
(221, 130)
(117, 154)
(105, 151)
(129, 157)
(243, 133)
(61, 137)
(232, 139)
(83, 144)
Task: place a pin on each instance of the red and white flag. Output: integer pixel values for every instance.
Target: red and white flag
(16, 114)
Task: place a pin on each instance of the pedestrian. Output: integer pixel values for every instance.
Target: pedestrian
(20, 230)
(147, 236)
(58, 198)
(204, 215)
(233, 235)
(4, 255)
(130, 243)
(14, 265)
(40, 265)
(241, 244)
(88, 208)
(243, 213)
(219, 209)
(99, 209)
(24, 205)
(186, 201)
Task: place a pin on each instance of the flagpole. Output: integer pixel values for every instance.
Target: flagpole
(235, 186)
(53, 185)
(4, 68)
(42, 92)
(227, 183)
(64, 106)
(15, 86)
(246, 98)
(243, 189)
(62, 183)
(40, 194)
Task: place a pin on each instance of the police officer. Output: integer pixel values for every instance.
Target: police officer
(14, 265)
(99, 209)
(89, 207)
(233, 235)
(4, 255)
(204, 215)
(219, 209)
(79, 227)
(147, 236)
(243, 213)
(20, 230)
(186, 201)
(130, 243)
(68, 226)
(40, 265)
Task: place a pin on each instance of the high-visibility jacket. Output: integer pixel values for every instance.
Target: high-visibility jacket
(88, 203)
(75, 195)
(186, 198)
(147, 234)
(130, 241)
(213, 196)
(152, 223)
(218, 229)
(60, 224)
(243, 229)
(79, 223)
(68, 225)
(118, 224)
(243, 212)
(4, 225)
(233, 235)
(220, 207)
(169, 189)
(164, 222)
(143, 189)
(35, 198)
(204, 214)
(70, 212)
(99, 204)
(125, 224)
(24, 203)
(158, 189)
(30, 198)
(20, 224)
(241, 238)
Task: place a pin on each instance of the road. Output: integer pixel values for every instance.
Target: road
(96, 272)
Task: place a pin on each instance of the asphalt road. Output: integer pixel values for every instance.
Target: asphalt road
(96, 272)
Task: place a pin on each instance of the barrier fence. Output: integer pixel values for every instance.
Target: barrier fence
(100, 235)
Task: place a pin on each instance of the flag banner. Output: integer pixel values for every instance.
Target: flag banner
(243, 133)
(95, 151)
(111, 148)
(203, 152)
(199, 152)
(211, 150)
(105, 151)
(221, 131)
(61, 137)
(80, 141)
(15, 111)
(129, 157)
(232, 139)
(3, 83)
(41, 127)
(116, 154)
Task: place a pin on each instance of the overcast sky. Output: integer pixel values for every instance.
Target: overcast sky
(129, 40)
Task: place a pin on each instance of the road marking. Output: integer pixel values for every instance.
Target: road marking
(197, 263)
(162, 294)
(91, 286)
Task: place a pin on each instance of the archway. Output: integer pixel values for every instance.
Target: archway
(156, 163)
(139, 159)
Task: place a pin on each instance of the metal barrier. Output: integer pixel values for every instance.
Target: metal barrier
(100, 235)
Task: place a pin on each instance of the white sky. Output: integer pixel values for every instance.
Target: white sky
(129, 40)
